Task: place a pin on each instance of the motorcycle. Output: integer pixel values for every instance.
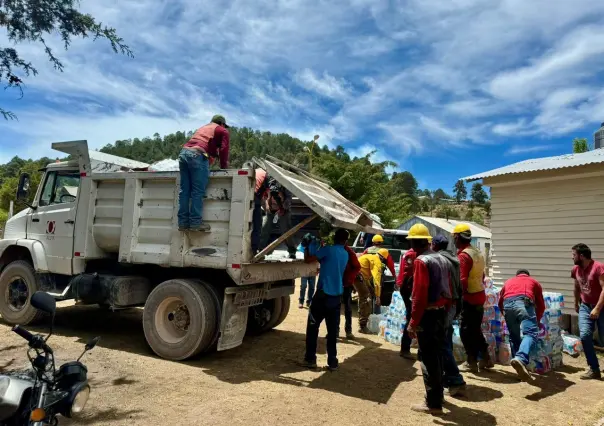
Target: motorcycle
(37, 397)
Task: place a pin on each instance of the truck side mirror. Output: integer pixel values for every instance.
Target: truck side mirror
(23, 188)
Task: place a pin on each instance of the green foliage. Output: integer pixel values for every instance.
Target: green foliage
(460, 191)
(440, 194)
(31, 21)
(479, 195)
(487, 208)
(446, 212)
(580, 145)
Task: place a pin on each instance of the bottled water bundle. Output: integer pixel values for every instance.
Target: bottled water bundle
(547, 355)
(393, 320)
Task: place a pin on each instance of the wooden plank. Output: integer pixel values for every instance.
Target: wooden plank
(272, 246)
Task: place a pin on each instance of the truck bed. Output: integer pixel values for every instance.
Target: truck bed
(134, 215)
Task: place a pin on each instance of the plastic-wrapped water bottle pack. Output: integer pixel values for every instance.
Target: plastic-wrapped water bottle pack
(391, 322)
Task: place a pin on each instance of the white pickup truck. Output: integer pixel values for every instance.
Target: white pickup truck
(111, 239)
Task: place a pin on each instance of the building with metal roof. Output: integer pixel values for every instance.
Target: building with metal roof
(540, 208)
(481, 235)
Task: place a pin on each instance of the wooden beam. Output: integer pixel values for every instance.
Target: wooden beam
(272, 246)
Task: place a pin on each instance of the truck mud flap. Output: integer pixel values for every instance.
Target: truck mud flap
(235, 308)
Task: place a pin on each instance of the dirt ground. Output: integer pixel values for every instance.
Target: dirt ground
(260, 382)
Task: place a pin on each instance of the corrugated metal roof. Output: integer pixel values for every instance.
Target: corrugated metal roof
(103, 163)
(448, 226)
(547, 163)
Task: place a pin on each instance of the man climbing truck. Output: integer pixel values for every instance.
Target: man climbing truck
(112, 239)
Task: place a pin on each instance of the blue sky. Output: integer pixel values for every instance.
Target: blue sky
(444, 88)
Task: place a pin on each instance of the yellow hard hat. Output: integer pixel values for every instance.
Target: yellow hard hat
(377, 239)
(384, 253)
(461, 228)
(419, 232)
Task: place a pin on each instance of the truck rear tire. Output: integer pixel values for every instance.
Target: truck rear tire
(18, 282)
(263, 317)
(285, 305)
(179, 319)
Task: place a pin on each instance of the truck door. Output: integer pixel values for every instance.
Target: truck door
(53, 222)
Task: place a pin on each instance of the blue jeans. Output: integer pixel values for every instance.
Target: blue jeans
(194, 177)
(323, 307)
(587, 327)
(451, 375)
(310, 282)
(519, 313)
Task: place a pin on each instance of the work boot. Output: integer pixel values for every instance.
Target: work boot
(349, 335)
(203, 227)
(591, 375)
(406, 355)
(521, 370)
(308, 364)
(423, 408)
(455, 390)
(469, 367)
(486, 364)
(364, 330)
(301, 306)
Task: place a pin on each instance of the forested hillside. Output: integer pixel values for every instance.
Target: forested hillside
(393, 197)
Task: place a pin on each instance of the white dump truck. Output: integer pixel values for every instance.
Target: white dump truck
(108, 236)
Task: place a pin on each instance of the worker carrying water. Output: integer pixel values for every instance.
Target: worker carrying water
(378, 241)
(471, 268)
(431, 299)
(522, 304)
(369, 285)
(197, 155)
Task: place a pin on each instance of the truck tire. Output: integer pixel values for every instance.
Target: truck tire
(179, 319)
(18, 282)
(263, 317)
(285, 305)
(218, 300)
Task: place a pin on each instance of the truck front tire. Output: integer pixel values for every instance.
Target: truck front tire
(180, 319)
(18, 282)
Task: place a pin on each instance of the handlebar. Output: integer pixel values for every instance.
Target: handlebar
(35, 340)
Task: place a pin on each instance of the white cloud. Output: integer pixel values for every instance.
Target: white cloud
(519, 150)
(325, 85)
(423, 76)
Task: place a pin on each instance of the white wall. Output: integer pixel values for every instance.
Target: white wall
(536, 222)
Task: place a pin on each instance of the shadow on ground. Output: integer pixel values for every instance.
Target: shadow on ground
(465, 416)
(548, 384)
(273, 356)
(104, 416)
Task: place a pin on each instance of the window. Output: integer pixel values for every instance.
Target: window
(60, 188)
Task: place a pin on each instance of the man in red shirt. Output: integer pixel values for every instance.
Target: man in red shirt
(589, 300)
(405, 283)
(350, 273)
(521, 300)
(471, 269)
(378, 241)
(430, 299)
(207, 143)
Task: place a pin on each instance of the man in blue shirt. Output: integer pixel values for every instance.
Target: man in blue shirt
(328, 297)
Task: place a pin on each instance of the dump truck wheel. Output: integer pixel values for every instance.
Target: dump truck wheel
(179, 319)
(18, 282)
(286, 303)
(263, 317)
(218, 300)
